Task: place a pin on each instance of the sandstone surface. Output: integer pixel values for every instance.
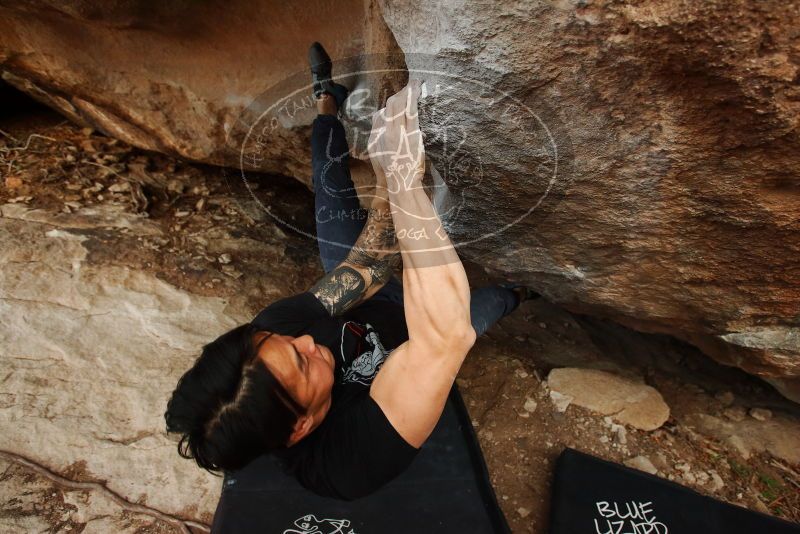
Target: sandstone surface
(35, 500)
(778, 437)
(637, 162)
(629, 402)
(90, 354)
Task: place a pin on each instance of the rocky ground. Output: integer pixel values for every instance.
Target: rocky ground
(117, 265)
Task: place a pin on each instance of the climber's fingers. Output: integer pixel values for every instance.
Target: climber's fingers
(395, 143)
(403, 104)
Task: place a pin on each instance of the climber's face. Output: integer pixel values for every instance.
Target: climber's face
(305, 370)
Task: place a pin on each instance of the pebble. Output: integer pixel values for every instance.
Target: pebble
(225, 259)
(716, 483)
(181, 213)
(760, 414)
(761, 507)
(735, 413)
(530, 405)
(523, 512)
(175, 186)
(661, 461)
(542, 325)
(620, 434)
(683, 467)
(13, 182)
(230, 271)
(96, 188)
(725, 397)
(642, 463)
(736, 441)
(560, 401)
(121, 187)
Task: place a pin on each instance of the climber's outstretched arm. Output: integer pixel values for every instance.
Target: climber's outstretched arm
(413, 384)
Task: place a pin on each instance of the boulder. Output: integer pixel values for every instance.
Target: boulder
(634, 162)
(625, 400)
(91, 354)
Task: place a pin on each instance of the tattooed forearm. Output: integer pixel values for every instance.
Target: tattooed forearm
(367, 267)
(380, 269)
(376, 247)
(339, 289)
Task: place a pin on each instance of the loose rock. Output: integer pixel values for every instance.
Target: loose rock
(726, 398)
(121, 187)
(632, 403)
(560, 401)
(735, 413)
(761, 414)
(642, 463)
(13, 182)
(530, 405)
(716, 483)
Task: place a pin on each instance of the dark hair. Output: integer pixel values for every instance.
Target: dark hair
(229, 407)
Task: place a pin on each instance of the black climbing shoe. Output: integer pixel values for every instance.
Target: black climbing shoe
(321, 74)
(523, 292)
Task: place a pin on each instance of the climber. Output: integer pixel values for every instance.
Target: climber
(346, 381)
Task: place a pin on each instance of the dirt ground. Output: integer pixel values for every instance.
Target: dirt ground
(48, 163)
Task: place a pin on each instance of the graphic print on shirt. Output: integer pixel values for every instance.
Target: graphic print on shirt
(369, 351)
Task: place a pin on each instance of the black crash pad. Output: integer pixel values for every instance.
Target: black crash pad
(445, 490)
(593, 496)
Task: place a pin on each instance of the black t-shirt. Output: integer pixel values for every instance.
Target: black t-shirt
(355, 450)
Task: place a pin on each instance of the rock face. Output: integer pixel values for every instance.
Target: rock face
(35, 500)
(90, 354)
(626, 401)
(777, 437)
(652, 176)
(174, 78)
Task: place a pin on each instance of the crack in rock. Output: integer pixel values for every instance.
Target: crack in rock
(185, 525)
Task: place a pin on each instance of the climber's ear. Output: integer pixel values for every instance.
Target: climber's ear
(301, 429)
